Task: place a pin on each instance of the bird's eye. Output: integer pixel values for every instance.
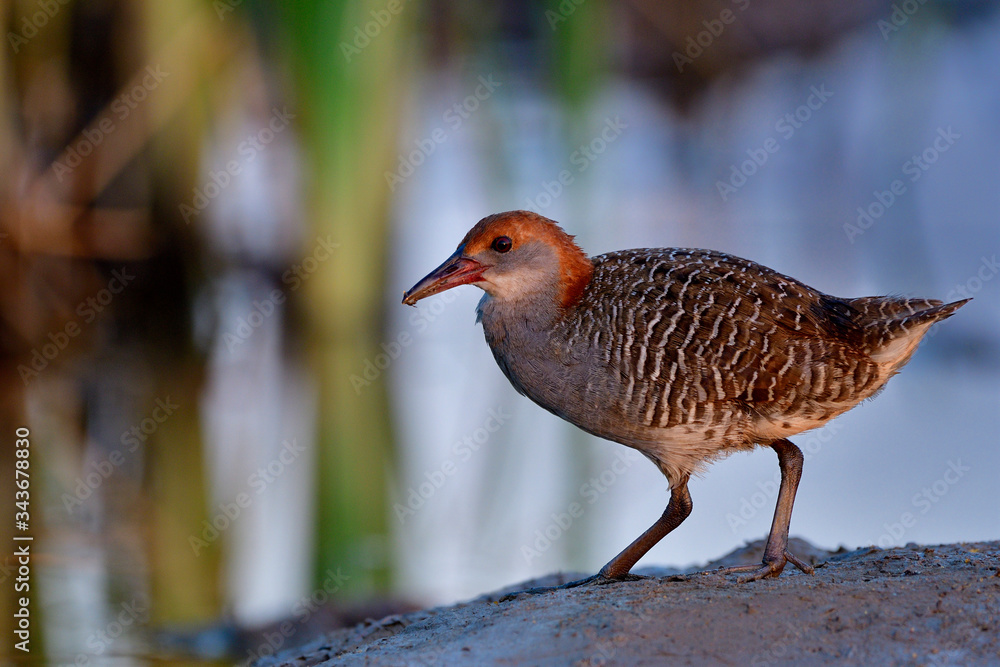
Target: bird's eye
(502, 244)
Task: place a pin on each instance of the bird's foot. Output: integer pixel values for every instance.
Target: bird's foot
(600, 579)
(595, 580)
(771, 567)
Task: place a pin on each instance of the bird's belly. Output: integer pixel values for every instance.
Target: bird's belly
(768, 430)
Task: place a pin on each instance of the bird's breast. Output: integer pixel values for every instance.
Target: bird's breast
(568, 368)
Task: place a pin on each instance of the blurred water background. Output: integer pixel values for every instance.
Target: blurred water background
(209, 211)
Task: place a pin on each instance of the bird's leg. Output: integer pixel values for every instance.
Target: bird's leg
(618, 568)
(677, 510)
(776, 552)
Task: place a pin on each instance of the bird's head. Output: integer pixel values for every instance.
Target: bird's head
(512, 255)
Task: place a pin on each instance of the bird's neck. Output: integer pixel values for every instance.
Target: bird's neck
(521, 316)
(518, 332)
(519, 335)
(575, 272)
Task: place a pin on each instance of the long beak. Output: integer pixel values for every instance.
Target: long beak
(456, 270)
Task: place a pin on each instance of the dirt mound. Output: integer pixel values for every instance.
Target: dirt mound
(907, 606)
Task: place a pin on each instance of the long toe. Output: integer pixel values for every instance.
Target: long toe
(799, 563)
(600, 579)
(538, 590)
(768, 568)
(594, 580)
(588, 581)
(765, 571)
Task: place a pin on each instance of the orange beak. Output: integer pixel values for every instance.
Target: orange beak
(456, 270)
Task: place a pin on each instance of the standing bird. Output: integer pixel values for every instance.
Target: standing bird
(685, 355)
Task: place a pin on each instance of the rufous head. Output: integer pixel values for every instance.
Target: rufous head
(511, 255)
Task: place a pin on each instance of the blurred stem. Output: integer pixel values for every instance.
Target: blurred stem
(581, 49)
(349, 82)
(185, 584)
(187, 39)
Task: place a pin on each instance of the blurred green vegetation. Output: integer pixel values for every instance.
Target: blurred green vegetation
(350, 104)
(119, 207)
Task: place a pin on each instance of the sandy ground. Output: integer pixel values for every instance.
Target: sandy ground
(912, 605)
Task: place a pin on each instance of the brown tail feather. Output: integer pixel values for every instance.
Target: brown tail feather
(881, 308)
(931, 315)
(895, 340)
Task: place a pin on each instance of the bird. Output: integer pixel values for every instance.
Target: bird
(685, 355)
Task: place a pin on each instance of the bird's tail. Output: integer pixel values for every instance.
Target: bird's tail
(893, 327)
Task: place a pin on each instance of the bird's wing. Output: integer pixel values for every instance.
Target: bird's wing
(698, 328)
